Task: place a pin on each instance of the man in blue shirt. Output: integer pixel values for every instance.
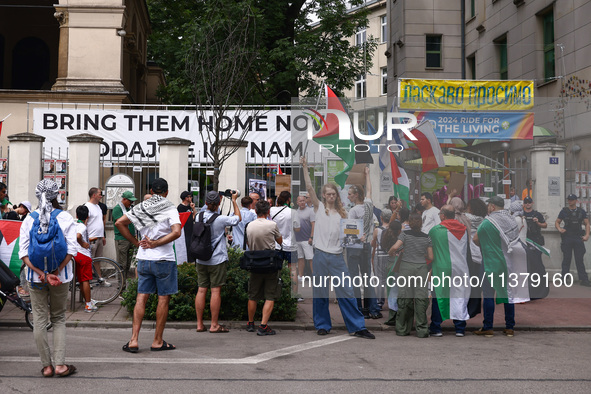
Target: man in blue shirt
(247, 217)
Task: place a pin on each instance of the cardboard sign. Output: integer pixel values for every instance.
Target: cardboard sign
(456, 182)
(357, 175)
(282, 183)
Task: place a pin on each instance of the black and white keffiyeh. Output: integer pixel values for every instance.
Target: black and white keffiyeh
(150, 212)
(46, 191)
(505, 223)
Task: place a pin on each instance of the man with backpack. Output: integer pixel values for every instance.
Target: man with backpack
(573, 237)
(210, 249)
(159, 225)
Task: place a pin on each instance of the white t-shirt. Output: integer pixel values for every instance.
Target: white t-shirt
(66, 223)
(83, 231)
(286, 220)
(327, 231)
(94, 224)
(164, 252)
(430, 219)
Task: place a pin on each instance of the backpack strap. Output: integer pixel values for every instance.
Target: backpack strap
(245, 241)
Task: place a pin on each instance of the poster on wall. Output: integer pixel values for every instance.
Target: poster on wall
(49, 166)
(60, 166)
(61, 198)
(3, 178)
(61, 181)
(49, 177)
(3, 165)
(258, 186)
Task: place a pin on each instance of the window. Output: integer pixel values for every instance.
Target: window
(433, 51)
(360, 37)
(502, 50)
(384, 24)
(384, 74)
(548, 27)
(472, 8)
(360, 87)
(472, 66)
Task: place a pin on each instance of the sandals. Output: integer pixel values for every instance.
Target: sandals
(221, 329)
(50, 375)
(130, 349)
(201, 329)
(70, 370)
(165, 346)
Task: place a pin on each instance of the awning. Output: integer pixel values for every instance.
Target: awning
(455, 163)
(542, 132)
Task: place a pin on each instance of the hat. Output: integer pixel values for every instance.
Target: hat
(185, 194)
(496, 200)
(527, 200)
(159, 185)
(129, 195)
(572, 197)
(27, 205)
(5, 202)
(212, 197)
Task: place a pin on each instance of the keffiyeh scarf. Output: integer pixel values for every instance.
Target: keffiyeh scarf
(46, 191)
(150, 212)
(506, 225)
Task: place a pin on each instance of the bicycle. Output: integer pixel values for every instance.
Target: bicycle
(108, 286)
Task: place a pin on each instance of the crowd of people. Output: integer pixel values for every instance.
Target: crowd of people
(478, 237)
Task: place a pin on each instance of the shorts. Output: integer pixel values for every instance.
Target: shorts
(212, 275)
(305, 250)
(264, 287)
(157, 276)
(83, 267)
(287, 256)
(97, 247)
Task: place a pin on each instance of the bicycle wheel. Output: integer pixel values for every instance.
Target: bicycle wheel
(30, 322)
(108, 286)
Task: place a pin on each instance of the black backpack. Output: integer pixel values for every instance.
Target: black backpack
(201, 240)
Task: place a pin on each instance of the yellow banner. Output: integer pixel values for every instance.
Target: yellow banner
(468, 95)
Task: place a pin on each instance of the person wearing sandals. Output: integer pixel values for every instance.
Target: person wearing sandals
(159, 225)
(329, 262)
(52, 286)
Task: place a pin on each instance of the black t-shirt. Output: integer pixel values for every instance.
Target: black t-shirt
(189, 225)
(534, 232)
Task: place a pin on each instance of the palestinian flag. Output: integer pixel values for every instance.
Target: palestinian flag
(9, 245)
(542, 249)
(400, 179)
(502, 259)
(329, 136)
(179, 245)
(450, 244)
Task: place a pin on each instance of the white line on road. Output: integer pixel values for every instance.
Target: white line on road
(246, 360)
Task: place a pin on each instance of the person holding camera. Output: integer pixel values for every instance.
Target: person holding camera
(212, 273)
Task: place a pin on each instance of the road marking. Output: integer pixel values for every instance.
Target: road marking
(259, 358)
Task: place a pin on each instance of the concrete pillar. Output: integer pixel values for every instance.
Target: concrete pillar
(174, 165)
(548, 175)
(24, 166)
(84, 168)
(233, 172)
(90, 46)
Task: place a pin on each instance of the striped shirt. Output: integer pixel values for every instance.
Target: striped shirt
(415, 245)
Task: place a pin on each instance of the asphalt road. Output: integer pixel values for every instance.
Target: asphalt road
(301, 361)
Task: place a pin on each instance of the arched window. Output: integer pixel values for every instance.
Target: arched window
(30, 64)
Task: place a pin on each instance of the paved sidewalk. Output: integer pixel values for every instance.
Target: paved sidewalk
(564, 309)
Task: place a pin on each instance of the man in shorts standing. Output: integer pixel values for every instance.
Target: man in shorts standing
(261, 234)
(159, 225)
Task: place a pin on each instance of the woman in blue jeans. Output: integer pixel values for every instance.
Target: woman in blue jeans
(329, 263)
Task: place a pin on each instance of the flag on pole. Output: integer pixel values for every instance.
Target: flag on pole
(2, 121)
(400, 179)
(428, 146)
(328, 136)
(9, 245)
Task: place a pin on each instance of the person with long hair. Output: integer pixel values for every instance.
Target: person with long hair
(49, 290)
(329, 262)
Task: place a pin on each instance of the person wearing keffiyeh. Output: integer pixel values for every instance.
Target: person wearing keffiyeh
(52, 286)
(159, 225)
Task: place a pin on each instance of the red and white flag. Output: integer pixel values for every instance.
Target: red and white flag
(428, 146)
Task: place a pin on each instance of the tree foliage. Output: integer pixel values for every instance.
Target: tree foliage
(299, 44)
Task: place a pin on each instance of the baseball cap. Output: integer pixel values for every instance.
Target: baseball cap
(527, 200)
(185, 194)
(212, 197)
(5, 202)
(27, 205)
(572, 197)
(129, 195)
(159, 185)
(496, 200)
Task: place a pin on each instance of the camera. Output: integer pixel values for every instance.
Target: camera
(229, 192)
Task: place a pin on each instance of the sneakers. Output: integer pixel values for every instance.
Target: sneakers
(459, 334)
(436, 334)
(322, 331)
(104, 283)
(486, 333)
(300, 299)
(265, 330)
(250, 326)
(508, 332)
(90, 307)
(364, 334)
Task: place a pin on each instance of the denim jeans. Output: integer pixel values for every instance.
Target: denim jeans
(327, 265)
(55, 311)
(436, 320)
(488, 307)
(576, 245)
(359, 263)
